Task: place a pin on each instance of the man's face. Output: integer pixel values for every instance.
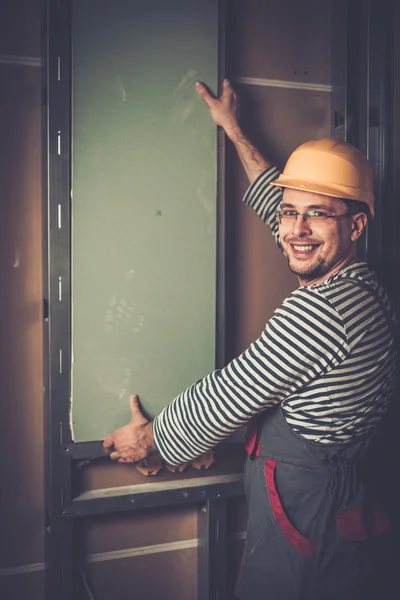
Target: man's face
(317, 250)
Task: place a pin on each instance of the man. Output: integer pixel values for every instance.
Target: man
(315, 384)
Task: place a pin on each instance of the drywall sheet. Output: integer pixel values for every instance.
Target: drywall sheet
(143, 206)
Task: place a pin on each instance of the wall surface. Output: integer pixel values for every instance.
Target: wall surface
(154, 553)
(21, 349)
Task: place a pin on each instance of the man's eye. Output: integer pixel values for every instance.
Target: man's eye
(319, 214)
(289, 213)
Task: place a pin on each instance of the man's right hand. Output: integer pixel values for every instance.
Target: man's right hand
(223, 110)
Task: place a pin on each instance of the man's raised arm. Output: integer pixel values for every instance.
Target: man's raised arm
(224, 112)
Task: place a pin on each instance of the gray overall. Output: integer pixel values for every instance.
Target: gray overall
(315, 530)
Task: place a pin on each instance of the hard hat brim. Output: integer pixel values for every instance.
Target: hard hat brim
(327, 189)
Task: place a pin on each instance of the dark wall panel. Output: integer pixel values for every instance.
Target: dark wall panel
(166, 575)
(21, 27)
(25, 586)
(21, 447)
(141, 528)
(280, 39)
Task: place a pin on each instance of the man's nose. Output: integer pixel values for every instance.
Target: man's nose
(300, 226)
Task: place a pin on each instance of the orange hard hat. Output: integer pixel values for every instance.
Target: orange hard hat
(332, 168)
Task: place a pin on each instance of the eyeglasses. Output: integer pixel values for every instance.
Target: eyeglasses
(289, 217)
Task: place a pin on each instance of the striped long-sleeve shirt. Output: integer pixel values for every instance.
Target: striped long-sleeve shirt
(327, 356)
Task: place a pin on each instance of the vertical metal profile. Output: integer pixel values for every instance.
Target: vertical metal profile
(382, 236)
(378, 127)
(357, 83)
(362, 74)
(212, 572)
(357, 72)
(59, 534)
(221, 207)
(339, 70)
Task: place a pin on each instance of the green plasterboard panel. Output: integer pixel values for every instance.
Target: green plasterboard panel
(144, 206)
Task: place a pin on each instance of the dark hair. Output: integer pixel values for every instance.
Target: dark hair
(355, 207)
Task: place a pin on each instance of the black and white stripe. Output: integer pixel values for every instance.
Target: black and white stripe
(327, 355)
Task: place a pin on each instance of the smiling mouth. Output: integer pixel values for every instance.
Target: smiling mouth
(304, 249)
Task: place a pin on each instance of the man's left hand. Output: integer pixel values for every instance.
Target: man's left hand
(133, 441)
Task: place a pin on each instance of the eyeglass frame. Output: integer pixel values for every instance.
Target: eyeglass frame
(306, 215)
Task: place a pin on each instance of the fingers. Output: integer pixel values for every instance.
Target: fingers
(228, 96)
(120, 458)
(205, 94)
(134, 404)
(125, 444)
(226, 86)
(207, 97)
(108, 442)
(137, 414)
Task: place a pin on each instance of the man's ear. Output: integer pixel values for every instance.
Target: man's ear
(359, 223)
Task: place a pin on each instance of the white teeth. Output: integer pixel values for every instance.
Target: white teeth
(303, 248)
